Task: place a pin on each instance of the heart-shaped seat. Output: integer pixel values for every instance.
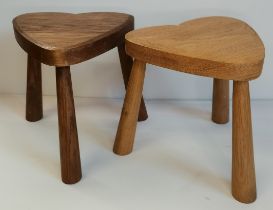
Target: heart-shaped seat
(219, 47)
(63, 39)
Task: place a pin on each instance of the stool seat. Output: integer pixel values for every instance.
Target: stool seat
(63, 39)
(218, 47)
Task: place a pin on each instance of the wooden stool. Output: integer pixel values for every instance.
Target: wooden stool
(61, 40)
(219, 47)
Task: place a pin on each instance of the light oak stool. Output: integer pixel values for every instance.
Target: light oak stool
(219, 47)
(61, 40)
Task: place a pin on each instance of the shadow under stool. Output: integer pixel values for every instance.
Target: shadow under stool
(222, 48)
(61, 40)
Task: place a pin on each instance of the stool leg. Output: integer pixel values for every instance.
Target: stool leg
(128, 120)
(69, 146)
(220, 101)
(126, 63)
(243, 170)
(34, 100)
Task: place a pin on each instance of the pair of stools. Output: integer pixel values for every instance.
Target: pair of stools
(219, 47)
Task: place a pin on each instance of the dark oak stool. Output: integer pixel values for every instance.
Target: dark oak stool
(218, 47)
(61, 40)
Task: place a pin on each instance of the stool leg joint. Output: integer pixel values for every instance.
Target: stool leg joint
(69, 146)
(243, 170)
(220, 101)
(126, 63)
(34, 100)
(128, 120)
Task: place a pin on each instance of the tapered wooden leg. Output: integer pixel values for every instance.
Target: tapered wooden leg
(69, 146)
(34, 101)
(243, 170)
(128, 120)
(126, 63)
(220, 101)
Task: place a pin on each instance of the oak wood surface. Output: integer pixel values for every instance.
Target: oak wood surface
(128, 119)
(68, 135)
(243, 170)
(34, 99)
(218, 47)
(220, 101)
(63, 39)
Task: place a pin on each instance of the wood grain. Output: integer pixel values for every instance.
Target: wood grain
(68, 135)
(218, 47)
(34, 99)
(63, 39)
(220, 101)
(126, 63)
(243, 170)
(128, 119)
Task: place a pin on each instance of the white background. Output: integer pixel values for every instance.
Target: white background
(101, 77)
(174, 165)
